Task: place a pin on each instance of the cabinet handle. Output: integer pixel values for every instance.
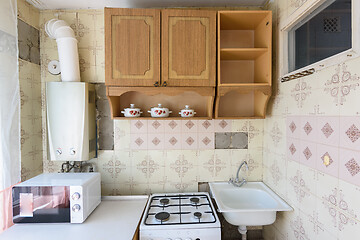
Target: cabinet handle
(156, 84)
(164, 84)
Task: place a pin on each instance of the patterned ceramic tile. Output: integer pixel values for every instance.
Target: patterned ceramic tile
(222, 125)
(327, 159)
(156, 140)
(139, 141)
(139, 126)
(349, 166)
(156, 126)
(293, 149)
(206, 126)
(214, 165)
(172, 126)
(307, 128)
(341, 84)
(181, 166)
(350, 132)
(308, 153)
(172, 141)
(189, 141)
(206, 140)
(328, 130)
(189, 126)
(293, 127)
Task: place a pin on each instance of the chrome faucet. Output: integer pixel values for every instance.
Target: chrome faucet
(236, 182)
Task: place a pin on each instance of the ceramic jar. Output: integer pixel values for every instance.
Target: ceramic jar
(132, 111)
(159, 111)
(187, 112)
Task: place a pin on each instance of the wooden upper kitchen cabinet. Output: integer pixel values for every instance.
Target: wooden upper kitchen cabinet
(132, 47)
(188, 48)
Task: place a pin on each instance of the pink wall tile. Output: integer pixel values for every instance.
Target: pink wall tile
(206, 140)
(189, 126)
(156, 140)
(327, 130)
(138, 126)
(307, 153)
(156, 126)
(172, 141)
(189, 141)
(327, 159)
(349, 166)
(293, 150)
(222, 125)
(350, 132)
(138, 141)
(293, 127)
(206, 126)
(172, 126)
(307, 128)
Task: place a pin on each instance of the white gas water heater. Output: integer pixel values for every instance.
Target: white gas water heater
(70, 104)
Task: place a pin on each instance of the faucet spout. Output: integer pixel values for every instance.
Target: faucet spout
(236, 182)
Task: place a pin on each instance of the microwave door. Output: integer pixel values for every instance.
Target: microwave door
(45, 204)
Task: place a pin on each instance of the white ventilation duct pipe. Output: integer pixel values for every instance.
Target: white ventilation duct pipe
(67, 48)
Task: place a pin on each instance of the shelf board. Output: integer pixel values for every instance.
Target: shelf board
(167, 118)
(241, 53)
(245, 85)
(251, 117)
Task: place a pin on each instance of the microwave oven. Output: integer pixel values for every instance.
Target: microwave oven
(56, 198)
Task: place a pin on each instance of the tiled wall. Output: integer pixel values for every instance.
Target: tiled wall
(88, 26)
(311, 149)
(30, 90)
(160, 165)
(150, 155)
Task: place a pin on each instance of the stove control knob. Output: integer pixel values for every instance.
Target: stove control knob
(76, 208)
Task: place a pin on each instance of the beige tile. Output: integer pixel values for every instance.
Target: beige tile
(181, 165)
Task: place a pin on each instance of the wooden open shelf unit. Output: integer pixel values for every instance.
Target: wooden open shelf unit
(242, 102)
(174, 98)
(244, 47)
(244, 64)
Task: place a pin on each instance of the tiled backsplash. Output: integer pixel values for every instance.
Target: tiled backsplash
(185, 134)
(138, 165)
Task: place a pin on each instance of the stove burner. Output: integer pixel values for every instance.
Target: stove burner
(197, 215)
(164, 201)
(162, 216)
(194, 200)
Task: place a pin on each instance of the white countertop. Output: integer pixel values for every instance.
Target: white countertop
(116, 218)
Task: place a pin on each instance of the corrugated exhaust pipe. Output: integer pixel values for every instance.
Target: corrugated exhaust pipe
(67, 48)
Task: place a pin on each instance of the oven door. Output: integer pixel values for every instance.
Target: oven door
(41, 204)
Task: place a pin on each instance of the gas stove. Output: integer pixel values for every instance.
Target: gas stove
(180, 216)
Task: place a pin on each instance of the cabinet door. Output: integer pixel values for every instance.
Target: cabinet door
(188, 48)
(132, 47)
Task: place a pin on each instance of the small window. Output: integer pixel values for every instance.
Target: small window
(322, 34)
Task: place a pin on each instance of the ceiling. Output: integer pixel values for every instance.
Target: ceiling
(85, 4)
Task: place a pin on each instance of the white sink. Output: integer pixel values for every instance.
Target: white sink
(252, 204)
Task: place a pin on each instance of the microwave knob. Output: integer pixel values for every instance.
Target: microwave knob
(75, 196)
(76, 208)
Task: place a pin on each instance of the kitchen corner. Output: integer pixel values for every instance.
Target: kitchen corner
(117, 217)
